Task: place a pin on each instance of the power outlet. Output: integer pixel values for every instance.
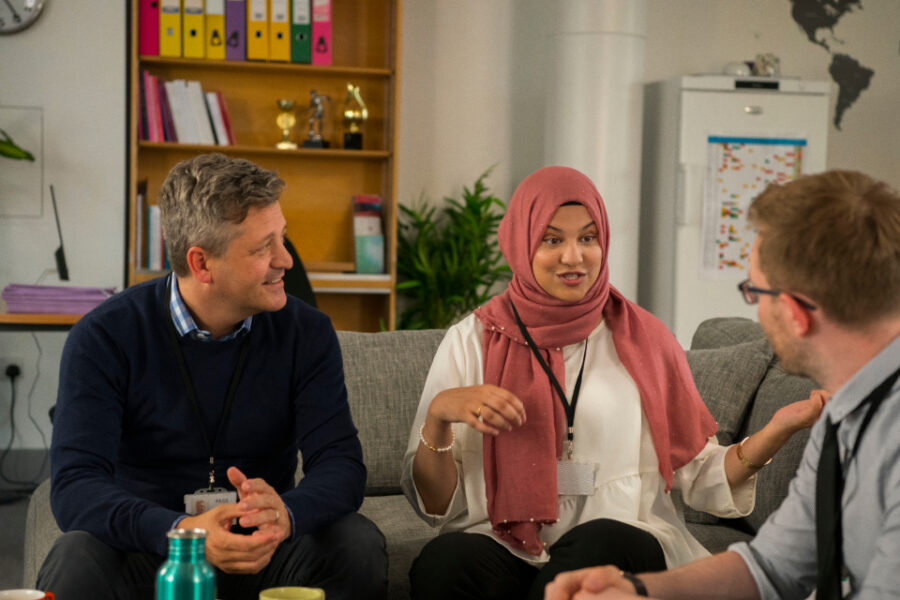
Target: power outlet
(6, 361)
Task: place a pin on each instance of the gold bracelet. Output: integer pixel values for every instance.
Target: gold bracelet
(743, 459)
(433, 448)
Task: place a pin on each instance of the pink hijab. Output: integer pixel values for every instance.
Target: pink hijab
(520, 465)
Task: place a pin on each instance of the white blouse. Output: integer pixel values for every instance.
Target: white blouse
(611, 433)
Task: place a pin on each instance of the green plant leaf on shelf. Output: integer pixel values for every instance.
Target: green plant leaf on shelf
(448, 260)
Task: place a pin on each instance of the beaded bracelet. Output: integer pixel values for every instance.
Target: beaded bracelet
(432, 448)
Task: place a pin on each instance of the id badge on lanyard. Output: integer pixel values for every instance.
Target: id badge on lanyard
(206, 498)
(573, 478)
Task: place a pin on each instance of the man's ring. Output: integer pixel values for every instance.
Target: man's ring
(478, 414)
(277, 514)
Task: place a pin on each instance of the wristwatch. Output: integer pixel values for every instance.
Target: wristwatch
(639, 588)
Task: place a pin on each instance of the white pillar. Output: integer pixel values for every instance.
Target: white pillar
(594, 112)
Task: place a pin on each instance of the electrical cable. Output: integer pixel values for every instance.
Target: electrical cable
(37, 376)
(29, 485)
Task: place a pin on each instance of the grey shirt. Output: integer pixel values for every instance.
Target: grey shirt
(782, 557)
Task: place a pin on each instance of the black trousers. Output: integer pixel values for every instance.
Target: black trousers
(473, 566)
(347, 559)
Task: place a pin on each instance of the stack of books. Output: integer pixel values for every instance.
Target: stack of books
(22, 298)
(180, 111)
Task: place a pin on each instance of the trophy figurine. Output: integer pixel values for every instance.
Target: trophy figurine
(316, 113)
(285, 121)
(355, 114)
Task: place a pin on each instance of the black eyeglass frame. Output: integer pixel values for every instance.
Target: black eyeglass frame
(750, 293)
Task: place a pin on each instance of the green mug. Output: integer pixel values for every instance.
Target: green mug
(292, 593)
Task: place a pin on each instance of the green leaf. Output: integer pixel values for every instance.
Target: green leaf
(447, 258)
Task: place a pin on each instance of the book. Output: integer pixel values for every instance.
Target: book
(279, 31)
(215, 113)
(154, 118)
(235, 30)
(201, 113)
(148, 27)
(154, 238)
(301, 50)
(143, 133)
(226, 118)
(257, 30)
(169, 133)
(321, 32)
(170, 28)
(215, 29)
(194, 29)
(140, 235)
(368, 234)
(182, 115)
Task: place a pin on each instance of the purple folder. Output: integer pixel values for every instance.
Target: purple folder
(235, 30)
(21, 298)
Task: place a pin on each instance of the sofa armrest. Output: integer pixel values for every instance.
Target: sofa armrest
(40, 533)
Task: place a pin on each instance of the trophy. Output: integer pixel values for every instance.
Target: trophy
(285, 121)
(316, 112)
(355, 114)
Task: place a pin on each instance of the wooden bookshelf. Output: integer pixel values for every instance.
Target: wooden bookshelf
(320, 183)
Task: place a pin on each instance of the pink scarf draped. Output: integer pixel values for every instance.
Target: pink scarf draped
(520, 465)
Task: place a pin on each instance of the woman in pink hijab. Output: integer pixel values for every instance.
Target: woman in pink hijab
(557, 416)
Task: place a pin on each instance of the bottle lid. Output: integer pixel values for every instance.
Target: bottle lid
(186, 534)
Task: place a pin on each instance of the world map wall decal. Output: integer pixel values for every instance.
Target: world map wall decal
(851, 76)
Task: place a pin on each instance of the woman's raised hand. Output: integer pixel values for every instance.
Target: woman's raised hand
(487, 408)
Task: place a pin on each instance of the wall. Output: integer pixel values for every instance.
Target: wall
(700, 36)
(474, 77)
(473, 89)
(71, 64)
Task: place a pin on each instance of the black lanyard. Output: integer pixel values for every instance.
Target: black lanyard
(189, 388)
(830, 491)
(568, 406)
(874, 399)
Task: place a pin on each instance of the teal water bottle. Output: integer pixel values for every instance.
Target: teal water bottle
(186, 575)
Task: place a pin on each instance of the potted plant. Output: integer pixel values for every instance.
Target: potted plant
(447, 258)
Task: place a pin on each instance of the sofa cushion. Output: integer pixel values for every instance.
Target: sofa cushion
(727, 379)
(404, 533)
(777, 389)
(385, 373)
(725, 331)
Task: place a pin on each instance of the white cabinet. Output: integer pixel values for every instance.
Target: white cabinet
(687, 123)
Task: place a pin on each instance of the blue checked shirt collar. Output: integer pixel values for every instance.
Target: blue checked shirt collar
(185, 324)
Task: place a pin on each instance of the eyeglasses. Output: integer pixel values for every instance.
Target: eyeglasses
(751, 294)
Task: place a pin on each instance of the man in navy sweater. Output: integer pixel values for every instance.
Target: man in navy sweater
(194, 392)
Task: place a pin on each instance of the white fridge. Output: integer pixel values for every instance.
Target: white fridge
(711, 143)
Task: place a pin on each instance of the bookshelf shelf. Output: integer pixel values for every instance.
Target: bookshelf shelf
(320, 183)
(309, 153)
(267, 67)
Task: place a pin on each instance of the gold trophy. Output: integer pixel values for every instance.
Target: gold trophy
(286, 121)
(355, 114)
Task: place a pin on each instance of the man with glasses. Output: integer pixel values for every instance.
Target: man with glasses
(825, 274)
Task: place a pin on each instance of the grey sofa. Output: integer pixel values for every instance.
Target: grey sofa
(732, 363)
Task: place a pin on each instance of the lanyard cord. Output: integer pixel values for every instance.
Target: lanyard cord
(876, 397)
(568, 407)
(189, 388)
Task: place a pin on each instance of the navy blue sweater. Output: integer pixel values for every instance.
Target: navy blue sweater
(126, 444)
